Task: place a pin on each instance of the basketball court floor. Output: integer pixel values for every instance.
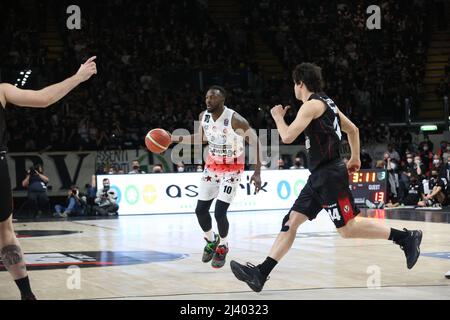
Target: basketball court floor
(159, 257)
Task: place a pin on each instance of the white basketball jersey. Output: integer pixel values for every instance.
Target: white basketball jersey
(223, 140)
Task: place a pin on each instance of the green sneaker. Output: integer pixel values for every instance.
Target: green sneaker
(210, 249)
(219, 257)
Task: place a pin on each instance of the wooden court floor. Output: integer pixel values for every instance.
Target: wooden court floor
(159, 257)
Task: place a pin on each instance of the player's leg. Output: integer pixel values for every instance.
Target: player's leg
(10, 250)
(343, 215)
(208, 191)
(13, 259)
(305, 208)
(227, 192)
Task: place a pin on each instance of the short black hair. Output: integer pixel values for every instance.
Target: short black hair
(310, 74)
(222, 90)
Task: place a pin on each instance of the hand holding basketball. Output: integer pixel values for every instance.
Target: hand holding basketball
(158, 140)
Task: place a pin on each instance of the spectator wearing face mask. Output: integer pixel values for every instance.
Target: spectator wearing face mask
(136, 168)
(426, 156)
(298, 164)
(393, 179)
(419, 167)
(438, 166)
(264, 165)
(199, 168)
(180, 167)
(157, 169)
(446, 153)
(406, 171)
(281, 165)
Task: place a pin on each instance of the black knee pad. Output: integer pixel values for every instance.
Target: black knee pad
(203, 207)
(221, 209)
(284, 227)
(202, 212)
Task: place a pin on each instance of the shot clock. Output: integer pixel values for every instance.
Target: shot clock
(369, 186)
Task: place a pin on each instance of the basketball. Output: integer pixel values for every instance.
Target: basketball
(158, 140)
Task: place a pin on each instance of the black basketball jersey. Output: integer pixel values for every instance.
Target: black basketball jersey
(3, 133)
(323, 135)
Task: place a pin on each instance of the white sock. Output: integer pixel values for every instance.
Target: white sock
(224, 241)
(210, 235)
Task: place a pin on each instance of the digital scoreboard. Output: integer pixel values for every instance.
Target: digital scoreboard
(369, 187)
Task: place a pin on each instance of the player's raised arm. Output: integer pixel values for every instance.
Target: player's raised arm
(197, 138)
(49, 95)
(352, 131)
(305, 115)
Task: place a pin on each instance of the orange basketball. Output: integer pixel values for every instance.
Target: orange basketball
(158, 140)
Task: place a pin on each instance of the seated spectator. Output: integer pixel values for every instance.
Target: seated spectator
(264, 165)
(413, 193)
(157, 168)
(281, 165)
(135, 165)
(36, 183)
(438, 166)
(419, 167)
(180, 167)
(432, 191)
(199, 168)
(298, 164)
(75, 205)
(106, 200)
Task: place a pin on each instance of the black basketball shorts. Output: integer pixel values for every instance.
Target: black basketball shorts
(328, 188)
(6, 200)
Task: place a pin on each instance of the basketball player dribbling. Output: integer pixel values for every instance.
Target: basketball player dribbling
(11, 252)
(226, 132)
(327, 187)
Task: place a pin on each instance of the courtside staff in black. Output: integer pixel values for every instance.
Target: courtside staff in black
(327, 187)
(10, 250)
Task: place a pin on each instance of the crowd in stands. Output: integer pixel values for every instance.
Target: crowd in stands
(371, 69)
(418, 176)
(130, 96)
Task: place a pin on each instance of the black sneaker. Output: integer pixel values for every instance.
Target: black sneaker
(210, 249)
(28, 297)
(249, 274)
(411, 247)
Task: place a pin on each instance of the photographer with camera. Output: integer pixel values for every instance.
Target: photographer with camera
(36, 183)
(106, 200)
(75, 204)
